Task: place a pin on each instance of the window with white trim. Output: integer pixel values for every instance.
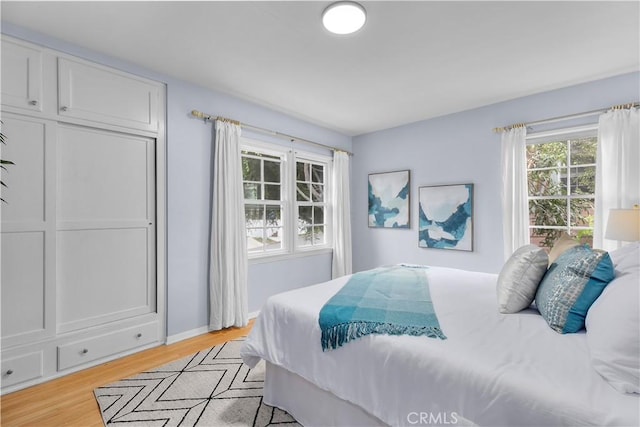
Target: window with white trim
(561, 175)
(286, 201)
(311, 203)
(262, 175)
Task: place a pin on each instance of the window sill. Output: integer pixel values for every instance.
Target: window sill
(261, 259)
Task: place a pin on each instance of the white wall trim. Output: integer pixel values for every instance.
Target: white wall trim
(172, 339)
(262, 259)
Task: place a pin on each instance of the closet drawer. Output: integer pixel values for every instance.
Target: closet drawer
(21, 368)
(100, 94)
(84, 351)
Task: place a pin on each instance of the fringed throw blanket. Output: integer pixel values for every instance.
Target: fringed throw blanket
(387, 300)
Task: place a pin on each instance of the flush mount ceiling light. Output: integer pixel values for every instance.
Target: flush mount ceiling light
(344, 17)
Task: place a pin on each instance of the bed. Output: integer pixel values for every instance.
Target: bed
(493, 369)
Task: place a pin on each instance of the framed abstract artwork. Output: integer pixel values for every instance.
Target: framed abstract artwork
(446, 217)
(389, 200)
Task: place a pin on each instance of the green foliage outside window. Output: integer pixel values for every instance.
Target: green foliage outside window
(561, 180)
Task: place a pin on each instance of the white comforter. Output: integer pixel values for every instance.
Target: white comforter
(494, 369)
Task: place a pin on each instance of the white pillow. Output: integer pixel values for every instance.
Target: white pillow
(626, 258)
(520, 277)
(613, 332)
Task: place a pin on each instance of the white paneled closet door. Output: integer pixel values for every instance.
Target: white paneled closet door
(82, 239)
(28, 230)
(105, 227)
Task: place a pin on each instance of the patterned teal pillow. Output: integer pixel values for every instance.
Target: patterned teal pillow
(572, 283)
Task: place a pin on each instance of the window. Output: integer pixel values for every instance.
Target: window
(285, 200)
(561, 175)
(263, 204)
(310, 203)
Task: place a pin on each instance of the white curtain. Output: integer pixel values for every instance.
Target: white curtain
(228, 266)
(341, 264)
(515, 206)
(617, 169)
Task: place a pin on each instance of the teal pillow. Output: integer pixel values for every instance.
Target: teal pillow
(572, 283)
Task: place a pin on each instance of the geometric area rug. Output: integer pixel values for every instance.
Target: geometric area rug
(211, 388)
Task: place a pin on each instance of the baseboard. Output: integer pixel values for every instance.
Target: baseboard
(172, 339)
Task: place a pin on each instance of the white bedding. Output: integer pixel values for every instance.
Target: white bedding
(494, 369)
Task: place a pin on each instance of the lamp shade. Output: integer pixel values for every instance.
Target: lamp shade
(623, 224)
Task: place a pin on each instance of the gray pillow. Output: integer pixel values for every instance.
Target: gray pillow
(519, 278)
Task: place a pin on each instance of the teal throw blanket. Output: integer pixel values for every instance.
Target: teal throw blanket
(387, 300)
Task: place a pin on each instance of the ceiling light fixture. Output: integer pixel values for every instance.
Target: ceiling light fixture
(344, 17)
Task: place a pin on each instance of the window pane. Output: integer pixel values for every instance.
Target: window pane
(583, 180)
(305, 235)
(317, 174)
(250, 169)
(274, 216)
(547, 212)
(546, 155)
(254, 215)
(302, 192)
(303, 171)
(555, 193)
(584, 236)
(252, 191)
(271, 171)
(272, 192)
(304, 216)
(583, 151)
(318, 215)
(545, 237)
(317, 192)
(551, 182)
(273, 239)
(255, 239)
(582, 211)
(318, 235)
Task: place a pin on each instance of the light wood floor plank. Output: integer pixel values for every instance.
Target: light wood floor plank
(69, 401)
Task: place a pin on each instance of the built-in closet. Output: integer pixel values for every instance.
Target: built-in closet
(82, 253)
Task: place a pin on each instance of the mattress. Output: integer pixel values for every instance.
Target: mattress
(493, 369)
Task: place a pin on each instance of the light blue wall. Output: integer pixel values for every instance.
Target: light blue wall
(189, 169)
(461, 148)
(188, 189)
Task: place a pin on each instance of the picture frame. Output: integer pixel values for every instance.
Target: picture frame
(445, 217)
(389, 199)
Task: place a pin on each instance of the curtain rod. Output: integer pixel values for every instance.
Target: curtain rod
(205, 117)
(568, 117)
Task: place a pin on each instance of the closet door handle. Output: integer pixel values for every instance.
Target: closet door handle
(63, 108)
(138, 335)
(84, 351)
(33, 102)
(9, 372)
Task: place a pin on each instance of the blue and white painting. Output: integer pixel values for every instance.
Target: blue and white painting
(446, 217)
(389, 200)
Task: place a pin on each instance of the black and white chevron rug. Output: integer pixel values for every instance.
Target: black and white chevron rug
(212, 388)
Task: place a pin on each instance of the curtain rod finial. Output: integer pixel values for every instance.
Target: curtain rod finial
(198, 114)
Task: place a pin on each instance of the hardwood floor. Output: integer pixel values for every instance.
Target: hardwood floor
(69, 401)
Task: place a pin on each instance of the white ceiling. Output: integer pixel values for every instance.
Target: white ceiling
(411, 61)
